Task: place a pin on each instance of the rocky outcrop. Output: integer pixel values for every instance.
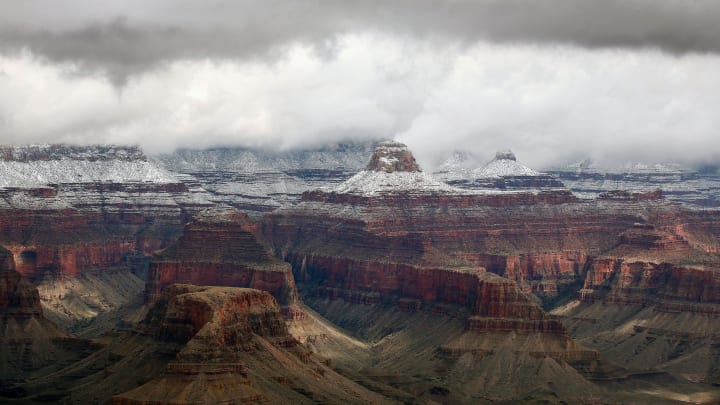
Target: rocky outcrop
(391, 157)
(28, 341)
(235, 349)
(222, 249)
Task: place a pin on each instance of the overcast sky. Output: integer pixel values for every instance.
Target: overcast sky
(554, 80)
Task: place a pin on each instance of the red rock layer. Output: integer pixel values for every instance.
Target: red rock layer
(390, 156)
(494, 301)
(545, 248)
(66, 242)
(34, 261)
(221, 251)
(654, 266)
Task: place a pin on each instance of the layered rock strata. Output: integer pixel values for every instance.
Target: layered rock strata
(652, 301)
(67, 213)
(259, 181)
(223, 248)
(414, 247)
(235, 349)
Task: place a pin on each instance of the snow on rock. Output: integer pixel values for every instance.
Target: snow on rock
(457, 167)
(371, 183)
(40, 165)
(393, 169)
(504, 165)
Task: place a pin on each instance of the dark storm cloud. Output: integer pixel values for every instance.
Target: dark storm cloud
(131, 36)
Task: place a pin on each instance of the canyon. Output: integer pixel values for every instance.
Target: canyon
(347, 274)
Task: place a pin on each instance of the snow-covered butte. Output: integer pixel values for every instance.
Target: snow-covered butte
(393, 169)
(504, 165)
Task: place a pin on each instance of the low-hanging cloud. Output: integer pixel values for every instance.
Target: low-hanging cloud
(122, 38)
(551, 104)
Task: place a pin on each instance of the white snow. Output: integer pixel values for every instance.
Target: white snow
(503, 168)
(371, 183)
(78, 169)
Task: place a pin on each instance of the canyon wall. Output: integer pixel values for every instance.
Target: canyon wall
(222, 249)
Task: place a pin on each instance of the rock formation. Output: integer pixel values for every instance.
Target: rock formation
(223, 248)
(235, 349)
(651, 302)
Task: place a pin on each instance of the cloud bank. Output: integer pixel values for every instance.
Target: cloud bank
(556, 80)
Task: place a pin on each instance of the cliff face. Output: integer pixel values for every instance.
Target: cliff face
(652, 301)
(235, 349)
(29, 342)
(545, 248)
(223, 250)
(653, 265)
